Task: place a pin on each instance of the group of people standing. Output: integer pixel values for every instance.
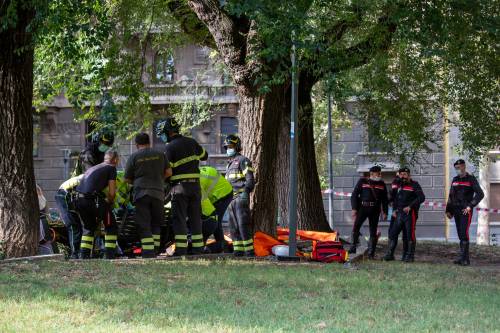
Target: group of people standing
(87, 199)
(370, 200)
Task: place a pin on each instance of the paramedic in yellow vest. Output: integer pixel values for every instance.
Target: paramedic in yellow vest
(239, 172)
(65, 202)
(216, 191)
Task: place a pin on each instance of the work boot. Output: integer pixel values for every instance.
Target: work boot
(110, 254)
(410, 257)
(179, 252)
(389, 256)
(84, 254)
(465, 258)
(239, 253)
(249, 254)
(354, 242)
(148, 254)
(460, 254)
(372, 245)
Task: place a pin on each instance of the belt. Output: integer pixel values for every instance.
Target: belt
(368, 204)
(80, 195)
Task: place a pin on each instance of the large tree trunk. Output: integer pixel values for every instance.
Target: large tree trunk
(19, 227)
(310, 209)
(258, 117)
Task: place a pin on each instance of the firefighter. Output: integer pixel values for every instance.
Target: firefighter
(219, 192)
(93, 153)
(465, 194)
(396, 183)
(406, 204)
(184, 155)
(96, 195)
(147, 169)
(369, 199)
(239, 172)
(65, 200)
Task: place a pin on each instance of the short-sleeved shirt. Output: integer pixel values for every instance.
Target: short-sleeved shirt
(96, 178)
(146, 168)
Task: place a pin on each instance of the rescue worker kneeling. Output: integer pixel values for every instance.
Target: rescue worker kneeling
(95, 206)
(219, 193)
(239, 172)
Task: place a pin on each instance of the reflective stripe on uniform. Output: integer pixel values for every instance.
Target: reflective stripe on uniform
(148, 247)
(157, 240)
(248, 169)
(110, 237)
(187, 160)
(198, 244)
(246, 242)
(179, 245)
(185, 176)
(181, 237)
(196, 237)
(235, 176)
(110, 245)
(238, 246)
(248, 247)
(147, 240)
(88, 238)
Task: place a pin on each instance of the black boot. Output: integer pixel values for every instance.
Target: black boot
(389, 256)
(84, 254)
(410, 257)
(465, 258)
(110, 254)
(460, 254)
(354, 242)
(372, 245)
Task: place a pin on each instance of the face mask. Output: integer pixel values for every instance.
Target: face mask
(459, 172)
(376, 178)
(103, 148)
(405, 180)
(164, 138)
(230, 152)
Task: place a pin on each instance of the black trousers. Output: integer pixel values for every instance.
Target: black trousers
(186, 205)
(92, 211)
(240, 226)
(71, 221)
(462, 222)
(406, 223)
(149, 214)
(221, 206)
(370, 213)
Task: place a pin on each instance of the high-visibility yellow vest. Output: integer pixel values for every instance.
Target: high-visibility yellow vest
(213, 185)
(207, 209)
(122, 197)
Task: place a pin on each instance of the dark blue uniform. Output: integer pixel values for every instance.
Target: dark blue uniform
(184, 155)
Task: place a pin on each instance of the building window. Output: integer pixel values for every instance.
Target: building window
(228, 125)
(36, 135)
(376, 144)
(201, 56)
(163, 68)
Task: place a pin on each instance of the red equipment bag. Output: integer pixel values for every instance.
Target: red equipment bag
(329, 251)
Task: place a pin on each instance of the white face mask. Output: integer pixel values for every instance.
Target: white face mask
(376, 178)
(230, 152)
(459, 172)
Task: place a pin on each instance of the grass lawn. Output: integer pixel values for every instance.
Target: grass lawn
(247, 296)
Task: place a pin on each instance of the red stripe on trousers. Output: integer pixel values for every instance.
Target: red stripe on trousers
(468, 225)
(413, 222)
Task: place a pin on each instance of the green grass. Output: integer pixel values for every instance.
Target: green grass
(240, 296)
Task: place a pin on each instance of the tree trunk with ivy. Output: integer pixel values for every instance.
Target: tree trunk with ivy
(19, 227)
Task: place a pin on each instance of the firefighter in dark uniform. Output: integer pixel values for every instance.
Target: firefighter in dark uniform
(396, 183)
(407, 202)
(368, 200)
(96, 195)
(147, 169)
(184, 155)
(93, 153)
(239, 172)
(465, 194)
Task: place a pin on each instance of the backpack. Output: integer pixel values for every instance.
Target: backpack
(328, 251)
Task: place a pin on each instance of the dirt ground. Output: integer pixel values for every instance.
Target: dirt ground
(445, 253)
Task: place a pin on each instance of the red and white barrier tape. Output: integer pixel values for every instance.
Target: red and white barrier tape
(426, 203)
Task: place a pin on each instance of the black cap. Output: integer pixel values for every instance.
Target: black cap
(404, 169)
(459, 162)
(375, 168)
